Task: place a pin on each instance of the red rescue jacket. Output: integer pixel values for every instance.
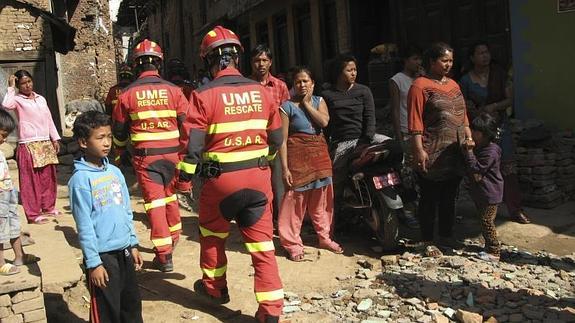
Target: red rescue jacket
(232, 120)
(149, 113)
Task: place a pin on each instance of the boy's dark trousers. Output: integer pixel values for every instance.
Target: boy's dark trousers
(120, 301)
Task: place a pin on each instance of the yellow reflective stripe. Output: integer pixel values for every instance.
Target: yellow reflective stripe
(117, 158)
(188, 168)
(208, 233)
(176, 227)
(153, 114)
(160, 202)
(171, 198)
(215, 272)
(236, 156)
(119, 142)
(225, 127)
(260, 246)
(273, 295)
(155, 135)
(271, 157)
(162, 242)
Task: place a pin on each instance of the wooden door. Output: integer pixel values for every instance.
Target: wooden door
(457, 22)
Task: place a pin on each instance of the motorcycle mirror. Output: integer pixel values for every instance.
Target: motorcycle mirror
(358, 176)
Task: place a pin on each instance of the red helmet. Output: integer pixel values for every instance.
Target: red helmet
(217, 37)
(147, 48)
(125, 70)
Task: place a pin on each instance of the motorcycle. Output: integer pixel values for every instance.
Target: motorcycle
(374, 191)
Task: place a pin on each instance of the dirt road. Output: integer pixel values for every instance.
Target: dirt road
(169, 297)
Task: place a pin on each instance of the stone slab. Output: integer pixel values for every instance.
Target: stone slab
(28, 278)
(34, 316)
(58, 264)
(29, 305)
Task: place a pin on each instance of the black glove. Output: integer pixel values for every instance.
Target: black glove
(184, 177)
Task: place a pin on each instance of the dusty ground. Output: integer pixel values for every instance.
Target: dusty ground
(168, 297)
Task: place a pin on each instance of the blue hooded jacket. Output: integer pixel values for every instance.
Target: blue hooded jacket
(100, 205)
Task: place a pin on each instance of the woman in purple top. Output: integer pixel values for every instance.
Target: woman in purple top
(483, 164)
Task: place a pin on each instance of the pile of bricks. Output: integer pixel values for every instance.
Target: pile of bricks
(21, 301)
(566, 166)
(547, 173)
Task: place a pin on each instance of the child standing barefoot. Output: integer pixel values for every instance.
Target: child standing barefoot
(9, 221)
(483, 163)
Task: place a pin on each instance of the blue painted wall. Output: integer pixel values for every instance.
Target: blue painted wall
(543, 43)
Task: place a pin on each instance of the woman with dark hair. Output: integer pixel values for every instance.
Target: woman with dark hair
(438, 123)
(306, 168)
(486, 89)
(352, 119)
(38, 147)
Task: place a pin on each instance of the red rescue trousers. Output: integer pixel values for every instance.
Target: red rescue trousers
(244, 196)
(157, 177)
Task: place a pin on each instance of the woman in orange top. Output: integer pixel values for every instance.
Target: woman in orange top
(438, 124)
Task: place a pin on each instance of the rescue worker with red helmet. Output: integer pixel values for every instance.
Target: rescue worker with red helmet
(125, 75)
(177, 73)
(149, 114)
(234, 131)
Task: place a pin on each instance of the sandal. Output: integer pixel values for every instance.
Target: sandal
(332, 246)
(297, 258)
(27, 259)
(26, 239)
(433, 251)
(40, 220)
(521, 217)
(54, 213)
(487, 257)
(450, 242)
(8, 269)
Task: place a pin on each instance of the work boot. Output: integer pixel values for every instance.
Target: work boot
(164, 265)
(272, 319)
(201, 290)
(266, 318)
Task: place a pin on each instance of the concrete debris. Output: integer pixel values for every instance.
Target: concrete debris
(412, 288)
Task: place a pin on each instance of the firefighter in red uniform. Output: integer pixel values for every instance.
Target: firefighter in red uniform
(149, 114)
(234, 131)
(126, 76)
(178, 74)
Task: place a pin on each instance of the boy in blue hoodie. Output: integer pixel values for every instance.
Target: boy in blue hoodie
(100, 205)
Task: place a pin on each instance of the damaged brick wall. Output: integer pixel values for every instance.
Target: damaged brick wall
(23, 32)
(90, 69)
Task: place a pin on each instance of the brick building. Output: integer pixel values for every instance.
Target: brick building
(66, 45)
(311, 32)
(298, 32)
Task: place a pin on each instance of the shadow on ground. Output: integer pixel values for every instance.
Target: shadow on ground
(155, 286)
